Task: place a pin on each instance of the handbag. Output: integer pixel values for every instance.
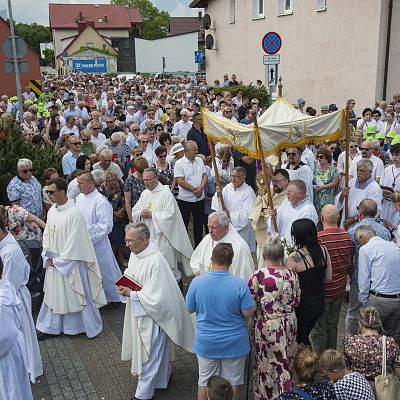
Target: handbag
(387, 385)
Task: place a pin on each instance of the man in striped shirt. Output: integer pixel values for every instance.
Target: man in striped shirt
(340, 248)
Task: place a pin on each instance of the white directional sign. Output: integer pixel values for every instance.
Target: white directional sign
(271, 71)
(272, 60)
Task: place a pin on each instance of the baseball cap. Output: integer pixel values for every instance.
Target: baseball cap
(333, 107)
(396, 140)
(370, 130)
(300, 100)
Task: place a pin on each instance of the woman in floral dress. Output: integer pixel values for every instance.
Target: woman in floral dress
(276, 292)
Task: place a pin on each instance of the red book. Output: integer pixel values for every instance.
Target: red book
(129, 282)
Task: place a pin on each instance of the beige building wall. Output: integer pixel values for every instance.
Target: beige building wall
(326, 56)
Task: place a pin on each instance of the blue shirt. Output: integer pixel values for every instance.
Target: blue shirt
(221, 330)
(380, 230)
(28, 193)
(378, 264)
(69, 162)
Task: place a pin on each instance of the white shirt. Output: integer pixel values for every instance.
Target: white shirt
(308, 158)
(192, 172)
(377, 172)
(99, 140)
(182, 128)
(65, 129)
(305, 174)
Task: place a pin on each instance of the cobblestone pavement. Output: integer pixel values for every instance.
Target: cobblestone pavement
(76, 367)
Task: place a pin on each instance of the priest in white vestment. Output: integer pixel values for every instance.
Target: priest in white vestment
(14, 378)
(389, 182)
(297, 169)
(297, 205)
(362, 187)
(73, 291)
(239, 199)
(221, 231)
(155, 316)
(158, 209)
(16, 270)
(259, 214)
(97, 213)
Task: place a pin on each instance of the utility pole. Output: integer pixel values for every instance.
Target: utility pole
(16, 65)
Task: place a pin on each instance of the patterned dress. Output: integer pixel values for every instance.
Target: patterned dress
(276, 293)
(325, 196)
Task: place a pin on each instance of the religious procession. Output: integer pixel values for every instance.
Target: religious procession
(246, 235)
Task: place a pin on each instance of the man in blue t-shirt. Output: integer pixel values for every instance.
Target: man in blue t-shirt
(222, 303)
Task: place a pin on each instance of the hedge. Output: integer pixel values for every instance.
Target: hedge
(252, 92)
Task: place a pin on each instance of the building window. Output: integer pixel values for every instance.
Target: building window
(321, 5)
(89, 44)
(285, 7)
(232, 6)
(258, 9)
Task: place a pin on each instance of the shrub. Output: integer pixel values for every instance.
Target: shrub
(252, 92)
(14, 147)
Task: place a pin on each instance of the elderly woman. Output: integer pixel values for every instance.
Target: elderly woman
(363, 352)
(312, 263)
(326, 180)
(29, 125)
(112, 189)
(162, 165)
(134, 185)
(25, 190)
(305, 369)
(87, 147)
(276, 292)
(225, 166)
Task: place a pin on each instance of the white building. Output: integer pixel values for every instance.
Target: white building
(332, 50)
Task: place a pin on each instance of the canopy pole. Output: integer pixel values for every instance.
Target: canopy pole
(280, 86)
(279, 159)
(264, 169)
(217, 180)
(347, 160)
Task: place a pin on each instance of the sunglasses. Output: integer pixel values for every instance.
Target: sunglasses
(76, 143)
(144, 141)
(85, 140)
(320, 157)
(291, 154)
(136, 130)
(25, 171)
(95, 129)
(52, 191)
(352, 147)
(364, 149)
(138, 154)
(159, 129)
(162, 156)
(110, 122)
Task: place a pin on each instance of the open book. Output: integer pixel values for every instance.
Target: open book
(129, 282)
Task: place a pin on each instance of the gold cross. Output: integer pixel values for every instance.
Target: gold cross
(149, 206)
(53, 233)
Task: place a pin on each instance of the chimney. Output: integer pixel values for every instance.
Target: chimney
(200, 15)
(105, 18)
(81, 27)
(80, 16)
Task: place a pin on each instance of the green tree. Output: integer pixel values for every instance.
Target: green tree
(13, 147)
(155, 22)
(34, 34)
(49, 57)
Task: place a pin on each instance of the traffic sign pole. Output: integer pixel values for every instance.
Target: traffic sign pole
(16, 66)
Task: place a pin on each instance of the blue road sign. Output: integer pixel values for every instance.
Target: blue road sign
(90, 66)
(271, 43)
(198, 57)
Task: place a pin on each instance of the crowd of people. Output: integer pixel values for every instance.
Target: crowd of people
(138, 182)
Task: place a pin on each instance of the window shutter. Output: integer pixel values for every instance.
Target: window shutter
(232, 10)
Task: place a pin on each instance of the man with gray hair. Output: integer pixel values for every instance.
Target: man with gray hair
(115, 144)
(367, 210)
(158, 209)
(25, 190)
(155, 316)
(297, 205)
(363, 186)
(106, 163)
(379, 276)
(239, 199)
(221, 231)
(367, 154)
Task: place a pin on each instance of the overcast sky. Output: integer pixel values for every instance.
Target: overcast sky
(30, 11)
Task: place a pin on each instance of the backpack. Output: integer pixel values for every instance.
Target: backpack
(32, 250)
